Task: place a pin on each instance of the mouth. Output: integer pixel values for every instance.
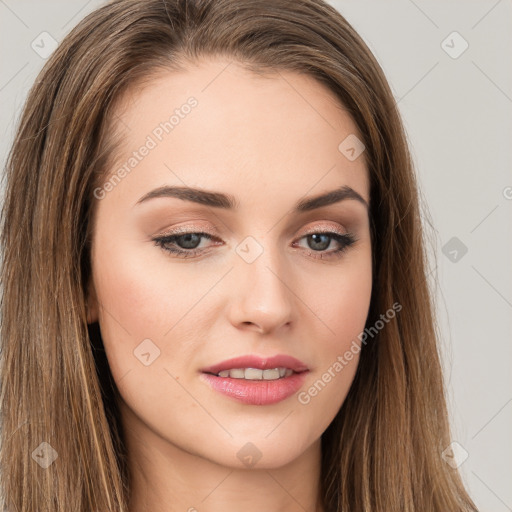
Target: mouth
(256, 380)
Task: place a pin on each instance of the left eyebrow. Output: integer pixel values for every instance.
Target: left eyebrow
(229, 202)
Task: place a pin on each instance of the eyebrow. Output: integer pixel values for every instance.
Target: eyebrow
(229, 202)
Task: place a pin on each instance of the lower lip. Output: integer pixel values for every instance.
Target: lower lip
(257, 392)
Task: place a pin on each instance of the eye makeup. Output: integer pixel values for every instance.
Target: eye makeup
(175, 243)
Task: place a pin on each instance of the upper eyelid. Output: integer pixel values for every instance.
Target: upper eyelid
(198, 230)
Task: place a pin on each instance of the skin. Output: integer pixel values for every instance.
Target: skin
(268, 141)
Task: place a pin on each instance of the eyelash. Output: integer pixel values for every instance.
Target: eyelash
(345, 240)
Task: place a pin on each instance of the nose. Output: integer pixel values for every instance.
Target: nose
(263, 295)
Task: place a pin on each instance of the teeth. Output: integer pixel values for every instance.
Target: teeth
(270, 374)
(237, 373)
(256, 373)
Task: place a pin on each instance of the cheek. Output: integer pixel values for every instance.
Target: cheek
(343, 309)
(343, 302)
(150, 305)
(143, 296)
(134, 300)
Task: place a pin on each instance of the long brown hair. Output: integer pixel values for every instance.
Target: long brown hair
(382, 452)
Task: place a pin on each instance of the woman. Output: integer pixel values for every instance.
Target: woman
(214, 273)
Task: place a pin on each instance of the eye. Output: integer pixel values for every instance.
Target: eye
(320, 241)
(186, 244)
(189, 243)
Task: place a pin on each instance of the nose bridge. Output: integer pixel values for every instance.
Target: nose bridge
(263, 262)
(263, 293)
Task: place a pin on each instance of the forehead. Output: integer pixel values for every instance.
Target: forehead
(218, 125)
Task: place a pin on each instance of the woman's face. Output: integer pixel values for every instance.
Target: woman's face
(254, 285)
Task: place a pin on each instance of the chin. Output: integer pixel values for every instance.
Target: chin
(259, 452)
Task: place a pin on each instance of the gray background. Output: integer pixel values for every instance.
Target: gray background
(458, 117)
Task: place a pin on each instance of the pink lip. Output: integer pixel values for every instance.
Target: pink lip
(257, 392)
(263, 363)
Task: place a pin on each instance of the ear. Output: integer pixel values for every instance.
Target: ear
(91, 302)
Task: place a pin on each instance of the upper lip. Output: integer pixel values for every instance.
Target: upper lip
(263, 363)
